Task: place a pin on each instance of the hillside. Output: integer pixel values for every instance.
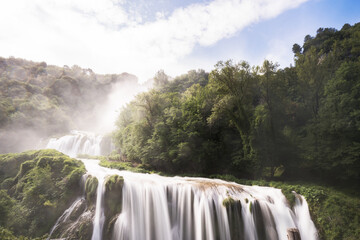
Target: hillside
(39, 100)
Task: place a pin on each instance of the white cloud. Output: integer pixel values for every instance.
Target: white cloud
(103, 35)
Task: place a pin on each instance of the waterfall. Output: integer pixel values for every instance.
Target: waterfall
(301, 209)
(184, 208)
(65, 216)
(79, 142)
(99, 209)
(156, 207)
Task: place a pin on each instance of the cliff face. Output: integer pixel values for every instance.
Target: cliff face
(39, 100)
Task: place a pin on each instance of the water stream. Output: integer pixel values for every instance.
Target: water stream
(184, 208)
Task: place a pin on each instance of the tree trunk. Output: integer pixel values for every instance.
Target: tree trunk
(293, 234)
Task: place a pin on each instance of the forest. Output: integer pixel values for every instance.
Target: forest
(256, 122)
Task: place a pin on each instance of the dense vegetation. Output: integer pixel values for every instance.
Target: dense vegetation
(300, 122)
(39, 100)
(35, 188)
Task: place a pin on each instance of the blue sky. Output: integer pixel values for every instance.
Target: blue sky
(274, 38)
(143, 36)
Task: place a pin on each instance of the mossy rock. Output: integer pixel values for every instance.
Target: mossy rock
(233, 209)
(227, 202)
(109, 227)
(112, 202)
(10, 163)
(90, 189)
(113, 192)
(41, 184)
(25, 167)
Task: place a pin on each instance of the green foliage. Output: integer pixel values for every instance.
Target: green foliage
(227, 202)
(123, 166)
(37, 188)
(251, 207)
(87, 156)
(6, 204)
(5, 234)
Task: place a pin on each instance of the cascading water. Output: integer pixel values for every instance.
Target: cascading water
(65, 216)
(100, 173)
(79, 142)
(182, 208)
(156, 207)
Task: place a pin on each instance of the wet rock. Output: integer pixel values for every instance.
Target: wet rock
(68, 219)
(264, 221)
(90, 189)
(293, 234)
(81, 229)
(236, 225)
(78, 210)
(112, 202)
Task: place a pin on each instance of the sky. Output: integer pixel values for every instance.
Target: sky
(143, 36)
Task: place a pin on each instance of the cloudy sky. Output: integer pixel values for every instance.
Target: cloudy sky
(144, 36)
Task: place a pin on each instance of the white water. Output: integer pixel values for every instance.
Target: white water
(182, 208)
(100, 173)
(156, 207)
(65, 216)
(79, 142)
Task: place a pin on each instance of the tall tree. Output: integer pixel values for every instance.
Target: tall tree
(234, 85)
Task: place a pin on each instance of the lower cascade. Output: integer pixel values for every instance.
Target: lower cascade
(148, 206)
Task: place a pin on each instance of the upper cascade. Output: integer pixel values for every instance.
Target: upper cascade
(79, 142)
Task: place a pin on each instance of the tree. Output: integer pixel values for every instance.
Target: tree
(296, 48)
(233, 84)
(339, 125)
(161, 79)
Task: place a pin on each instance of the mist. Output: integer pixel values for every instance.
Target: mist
(103, 117)
(40, 101)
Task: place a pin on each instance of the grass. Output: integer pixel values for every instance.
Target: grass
(123, 166)
(112, 161)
